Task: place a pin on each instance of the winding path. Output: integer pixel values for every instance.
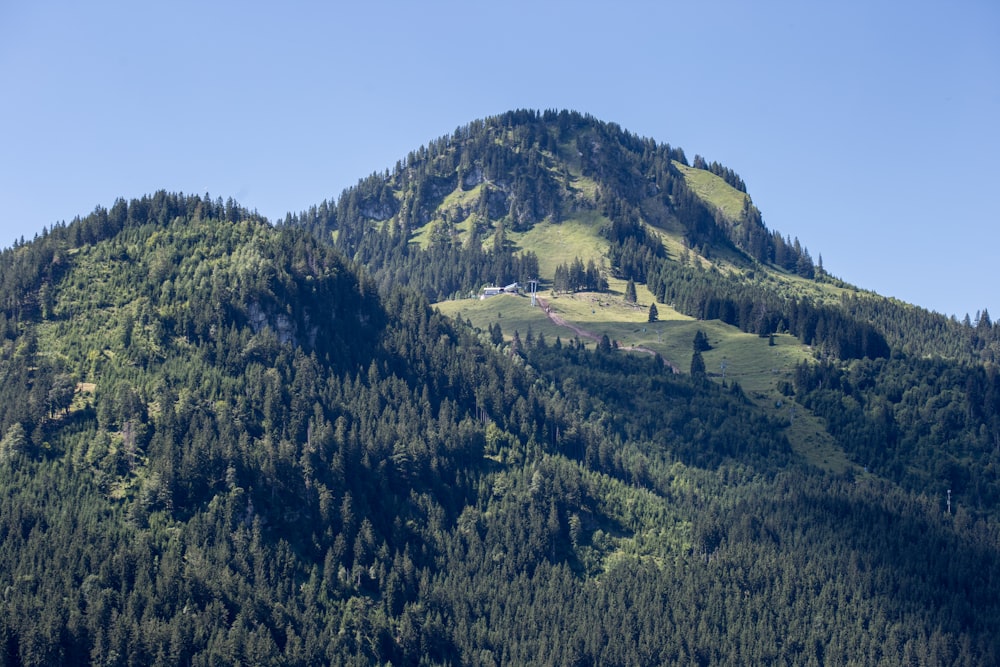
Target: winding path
(583, 333)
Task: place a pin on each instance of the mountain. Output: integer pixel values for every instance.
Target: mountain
(515, 196)
(586, 207)
(223, 441)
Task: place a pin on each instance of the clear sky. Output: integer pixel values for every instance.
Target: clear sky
(869, 130)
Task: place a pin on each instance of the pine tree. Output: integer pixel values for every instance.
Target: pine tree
(561, 281)
(630, 295)
(653, 314)
(697, 364)
(984, 321)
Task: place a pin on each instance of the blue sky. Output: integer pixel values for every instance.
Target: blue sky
(869, 130)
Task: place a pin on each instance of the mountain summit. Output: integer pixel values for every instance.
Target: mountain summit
(497, 178)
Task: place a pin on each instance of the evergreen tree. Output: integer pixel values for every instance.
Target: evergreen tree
(630, 294)
(697, 365)
(654, 315)
(560, 282)
(984, 320)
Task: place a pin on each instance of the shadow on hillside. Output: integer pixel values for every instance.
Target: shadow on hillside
(668, 416)
(871, 551)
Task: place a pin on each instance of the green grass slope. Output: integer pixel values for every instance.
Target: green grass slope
(558, 243)
(714, 190)
(761, 369)
(758, 366)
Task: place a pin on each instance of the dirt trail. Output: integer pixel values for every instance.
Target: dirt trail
(557, 320)
(583, 333)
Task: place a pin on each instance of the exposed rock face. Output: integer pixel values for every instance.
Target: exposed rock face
(472, 178)
(439, 188)
(280, 323)
(497, 202)
(377, 210)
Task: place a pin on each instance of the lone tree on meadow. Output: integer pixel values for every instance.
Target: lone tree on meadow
(654, 315)
(697, 365)
(630, 295)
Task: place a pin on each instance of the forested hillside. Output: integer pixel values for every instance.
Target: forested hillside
(223, 442)
(465, 210)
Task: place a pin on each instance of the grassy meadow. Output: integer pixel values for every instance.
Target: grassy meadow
(758, 366)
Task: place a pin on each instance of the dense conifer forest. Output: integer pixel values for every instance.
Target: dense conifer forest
(227, 442)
